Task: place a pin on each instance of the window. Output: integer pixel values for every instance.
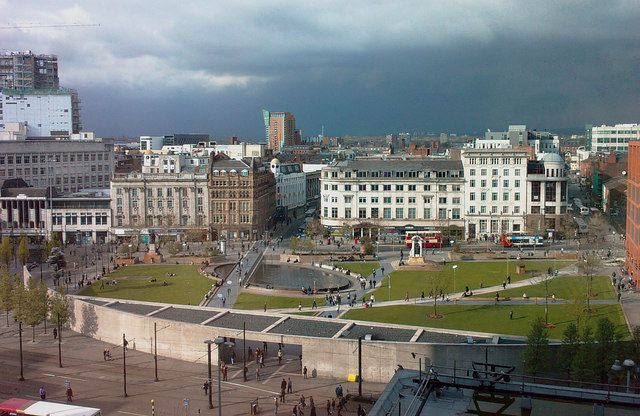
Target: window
(494, 172)
(494, 196)
(483, 172)
(505, 196)
(374, 187)
(375, 213)
(516, 183)
(334, 199)
(347, 174)
(334, 187)
(472, 209)
(472, 183)
(455, 213)
(399, 187)
(456, 188)
(411, 213)
(386, 187)
(505, 172)
(505, 183)
(427, 213)
(334, 212)
(412, 199)
(442, 200)
(362, 213)
(399, 213)
(347, 199)
(494, 210)
(386, 213)
(516, 210)
(483, 196)
(483, 183)
(325, 212)
(472, 172)
(516, 196)
(386, 199)
(472, 196)
(362, 187)
(494, 183)
(442, 188)
(442, 214)
(347, 188)
(427, 187)
(517, 173)
(455, 201)
(347, 212)
(374, 199)
(483, 209)
(399, 200)
(362, 200)
(412, 187)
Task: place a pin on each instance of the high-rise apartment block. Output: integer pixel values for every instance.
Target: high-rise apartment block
(614, 138)
(280, 129)
(26, 70)
(52, 112)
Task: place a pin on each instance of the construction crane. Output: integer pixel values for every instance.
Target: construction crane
(39, 26)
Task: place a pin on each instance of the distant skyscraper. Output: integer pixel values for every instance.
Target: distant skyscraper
(280, 128)
(25, 70)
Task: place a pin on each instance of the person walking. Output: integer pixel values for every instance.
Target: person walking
(69, 394)
(205, 387)
(328, 407)
(55, 333)
(257, 373)
(289, 386)
(283, 387)
(276, 404)
(312, 410)
(304, 372)
(279, 356)
(511, 314)
(43, 393)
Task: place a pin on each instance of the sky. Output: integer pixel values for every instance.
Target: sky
(356, 67)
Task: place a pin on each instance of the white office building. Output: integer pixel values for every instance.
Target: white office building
(45, 113)
(495, 192)
(612, 138)
(291, 188)
(376, 197)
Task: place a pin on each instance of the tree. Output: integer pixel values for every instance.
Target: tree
(569, 348)
(6, 293)
(59, 308)
(583, 362)
(598, 229)
(589, 266)
(544, 279)
(435, 283)
(34, 308)
(20, 301)
(23, 250)
(606, 348)
(48, 245)
(6, 251)
(314, 228)
(635, 344)
(294, 244)
(368, 247)
(534, 356)
(576, 305)
(173, 248)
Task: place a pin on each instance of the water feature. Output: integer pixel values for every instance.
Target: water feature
(292, 277)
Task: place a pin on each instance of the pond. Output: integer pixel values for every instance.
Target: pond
(290, 277)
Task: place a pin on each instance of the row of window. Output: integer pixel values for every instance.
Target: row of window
(496, 160)
(411, 213)
(494, 183)
(19, 172)
(614, 140)
(57, 158)
(393, 174)
(159, 192)
(389, 187)
(494, 196)
(99, 218)
(495, 172)
(348, 199)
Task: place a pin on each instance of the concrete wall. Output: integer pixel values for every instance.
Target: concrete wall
(324, 357)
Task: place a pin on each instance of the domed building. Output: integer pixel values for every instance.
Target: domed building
(547, 191)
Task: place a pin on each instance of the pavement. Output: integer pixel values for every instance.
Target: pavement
(99, 383)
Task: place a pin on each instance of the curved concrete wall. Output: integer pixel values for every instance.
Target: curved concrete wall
(329, 357)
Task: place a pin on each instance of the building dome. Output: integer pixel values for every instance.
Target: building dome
(275, 166)
(552, 158)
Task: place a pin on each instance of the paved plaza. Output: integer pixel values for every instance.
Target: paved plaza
(99, 383)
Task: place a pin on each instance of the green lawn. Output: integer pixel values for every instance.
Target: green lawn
(565, 287)
(253, 301)
(362, 268)
(187, 287)
(486, 318)
(467, 274)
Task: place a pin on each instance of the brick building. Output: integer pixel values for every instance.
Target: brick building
(632, 242)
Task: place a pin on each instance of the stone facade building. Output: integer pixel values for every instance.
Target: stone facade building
(242, 194)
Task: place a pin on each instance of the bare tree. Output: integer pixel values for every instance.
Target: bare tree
(436, 282)
(544, 279)
(589, 266)
(598, 229)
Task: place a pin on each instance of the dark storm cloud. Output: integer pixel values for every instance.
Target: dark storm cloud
(358, 67)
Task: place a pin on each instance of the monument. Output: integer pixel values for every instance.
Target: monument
(415, 254)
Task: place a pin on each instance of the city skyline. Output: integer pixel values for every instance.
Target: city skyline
(357, 69)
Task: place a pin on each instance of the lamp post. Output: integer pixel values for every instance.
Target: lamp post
(219, 341)
(455, 266)
(209, 342)
(628, 364)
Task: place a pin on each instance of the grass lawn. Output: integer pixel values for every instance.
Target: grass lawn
(486, 318)
(362, 268)
(565, 287)
(253, 301)
(470, 274)
(187, 287)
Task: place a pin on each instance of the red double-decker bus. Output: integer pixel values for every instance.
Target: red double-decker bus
(430, 238)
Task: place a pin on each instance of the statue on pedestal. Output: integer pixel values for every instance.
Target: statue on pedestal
(415, 254)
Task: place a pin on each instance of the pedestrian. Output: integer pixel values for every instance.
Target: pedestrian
(262, 360)
(315, 305)
(328, 407)
(279, 355)
(312, 410)
(205, 387)
(504, 285)
(619, 296)
(289, 386)
(509, 279)
(360, 411)
(497, 297)
(406, 296)
(43, 393)
(333, 405)
(304, 371)
(249, 353)
(257, 373)
(69, 394)
(264, 346)
(300, 306)
(295, 410)
(511, 314)
(283, 387)
(225, 372)
(276, 404)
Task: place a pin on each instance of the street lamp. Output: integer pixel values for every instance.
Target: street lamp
(628, 364)
(209, 342)
(455, 266)
(219, 341)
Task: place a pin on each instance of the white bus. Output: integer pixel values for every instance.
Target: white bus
(579, 207)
